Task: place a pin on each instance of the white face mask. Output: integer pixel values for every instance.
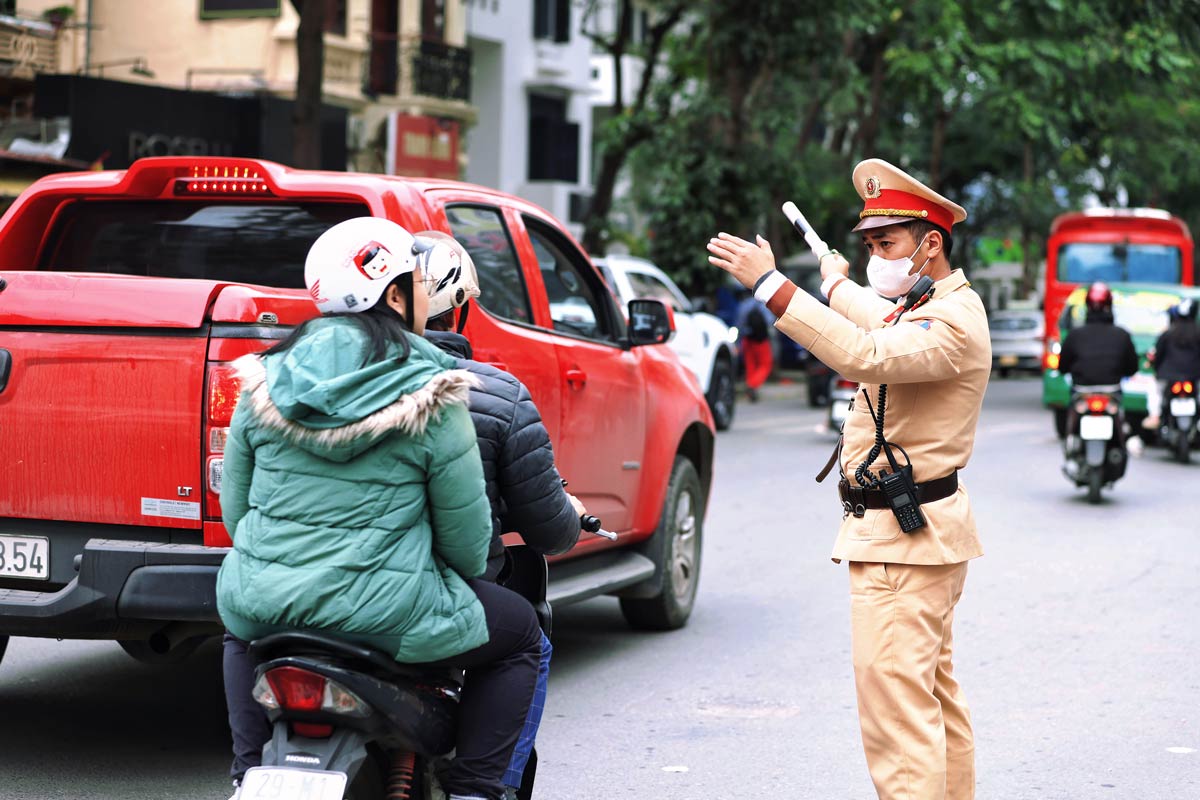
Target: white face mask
(890, 278)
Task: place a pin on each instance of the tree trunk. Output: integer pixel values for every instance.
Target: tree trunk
(1028, 264)
(310, 60)
(868, 131)
(615, 153)
(938, 148)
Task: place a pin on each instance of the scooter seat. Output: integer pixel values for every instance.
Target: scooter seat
(307, 643)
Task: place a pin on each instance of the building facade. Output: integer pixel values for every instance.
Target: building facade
(398, 68)
(531, 86)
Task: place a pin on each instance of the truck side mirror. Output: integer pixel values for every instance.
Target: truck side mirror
(650, 322)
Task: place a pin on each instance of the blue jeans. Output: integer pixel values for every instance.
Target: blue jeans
(533, 720)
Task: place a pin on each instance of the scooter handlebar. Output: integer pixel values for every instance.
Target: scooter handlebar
(593, 525)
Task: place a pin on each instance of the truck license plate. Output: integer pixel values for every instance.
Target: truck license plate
(1183, 406)
(25, 557)
(283, 783)
(1097, 427)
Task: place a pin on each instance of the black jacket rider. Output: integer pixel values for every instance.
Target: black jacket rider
(1099, 353)
(523, 485)
(1177, 352)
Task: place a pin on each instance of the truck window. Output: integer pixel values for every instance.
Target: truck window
(577, 297)
(263, 244)
(1087, 262)
(482, 232)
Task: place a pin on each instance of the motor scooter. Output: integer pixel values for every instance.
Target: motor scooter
(1180, 423)
(350, 722)
(841, 396)
(1094, 450)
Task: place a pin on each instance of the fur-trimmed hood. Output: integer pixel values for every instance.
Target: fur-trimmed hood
(319, 396)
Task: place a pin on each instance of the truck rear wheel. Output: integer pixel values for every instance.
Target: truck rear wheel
(676, 550)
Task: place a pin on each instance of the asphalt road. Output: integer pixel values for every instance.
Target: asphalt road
(1077, 639)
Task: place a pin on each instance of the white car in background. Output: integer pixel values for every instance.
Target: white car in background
(703, 342)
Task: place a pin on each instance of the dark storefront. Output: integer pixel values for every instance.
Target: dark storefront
(116, 123)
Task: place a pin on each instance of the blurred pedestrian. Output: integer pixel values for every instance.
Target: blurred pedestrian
(754, 321)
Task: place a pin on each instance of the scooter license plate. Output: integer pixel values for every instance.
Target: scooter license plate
(1097, 427)
(285, 783)
(1183, 406)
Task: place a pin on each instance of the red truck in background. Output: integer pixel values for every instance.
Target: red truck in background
(124, 295)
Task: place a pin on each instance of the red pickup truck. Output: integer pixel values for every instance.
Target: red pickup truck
(124, 295)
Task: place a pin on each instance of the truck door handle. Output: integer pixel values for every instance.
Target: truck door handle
(5, 367)
(576, 378)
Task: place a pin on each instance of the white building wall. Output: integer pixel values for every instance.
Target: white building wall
(509, 64)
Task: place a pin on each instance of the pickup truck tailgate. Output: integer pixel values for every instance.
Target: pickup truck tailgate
(102, 424)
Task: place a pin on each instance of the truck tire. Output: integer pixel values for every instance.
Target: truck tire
(722, 393)
(676, 550)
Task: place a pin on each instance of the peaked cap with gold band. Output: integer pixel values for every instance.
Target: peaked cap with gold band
(892, 196)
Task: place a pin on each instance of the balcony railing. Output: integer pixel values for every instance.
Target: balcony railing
(419, 68)
(440, 70)
(25, 51)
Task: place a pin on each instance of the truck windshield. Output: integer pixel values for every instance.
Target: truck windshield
(1086, 262)
(259, 243)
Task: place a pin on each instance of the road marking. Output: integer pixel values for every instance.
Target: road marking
(675, 769)
(1181, 749)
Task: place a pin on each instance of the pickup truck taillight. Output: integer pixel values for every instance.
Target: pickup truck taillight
(223, 392)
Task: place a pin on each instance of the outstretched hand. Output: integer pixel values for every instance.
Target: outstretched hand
(745, 261)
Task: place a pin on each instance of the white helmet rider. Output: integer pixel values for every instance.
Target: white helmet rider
(349, 266)
(449, 273)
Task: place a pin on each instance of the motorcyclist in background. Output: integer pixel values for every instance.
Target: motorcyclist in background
(1100, 352)
(523, 486)
(1177, 352)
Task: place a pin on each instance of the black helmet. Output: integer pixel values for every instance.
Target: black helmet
(1184, 310)
(1099, 297)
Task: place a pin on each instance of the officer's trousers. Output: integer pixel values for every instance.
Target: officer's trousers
(916, 727)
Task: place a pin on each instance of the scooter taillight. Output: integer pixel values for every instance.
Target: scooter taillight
(1182, 388)
(296, 689)
(1097, 404)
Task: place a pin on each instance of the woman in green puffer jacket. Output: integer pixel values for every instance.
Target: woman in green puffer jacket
(354, 494)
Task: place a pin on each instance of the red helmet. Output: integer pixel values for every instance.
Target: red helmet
(1099, 297)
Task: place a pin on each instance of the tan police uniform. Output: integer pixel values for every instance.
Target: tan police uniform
(935, 361)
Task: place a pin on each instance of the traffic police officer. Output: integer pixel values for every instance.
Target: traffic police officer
(935, 358)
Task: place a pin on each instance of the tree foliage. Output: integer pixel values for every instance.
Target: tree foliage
(1017, 109)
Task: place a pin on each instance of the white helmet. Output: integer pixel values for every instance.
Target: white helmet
(449, 271)
(350, 265)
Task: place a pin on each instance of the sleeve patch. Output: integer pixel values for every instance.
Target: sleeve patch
(925, 324)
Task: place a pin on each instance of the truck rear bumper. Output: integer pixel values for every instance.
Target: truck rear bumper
(124, 590)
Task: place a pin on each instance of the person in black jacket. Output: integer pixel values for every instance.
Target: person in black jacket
(522, 483)
(1099, 353)
(1177, 351)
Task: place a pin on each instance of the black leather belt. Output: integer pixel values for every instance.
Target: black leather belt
(856, 500)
